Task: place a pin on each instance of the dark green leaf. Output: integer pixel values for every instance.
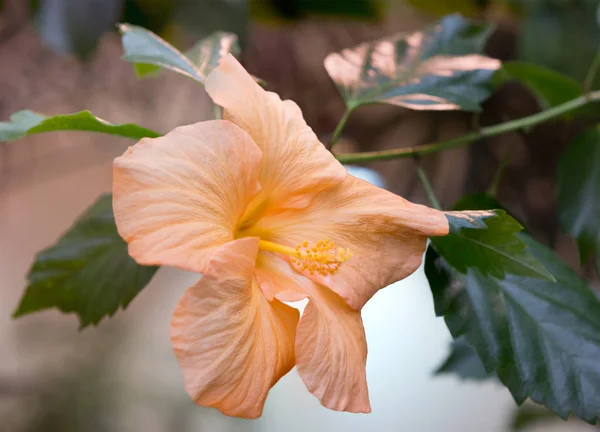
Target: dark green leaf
(444, 282)
(551, 88)
(560, 35)
(481, 201)
(26, 122)
(486, 240)
(579, 192)
(76, 26)
(439, 68)
(541, 338)
(88, 271)
(464, 362)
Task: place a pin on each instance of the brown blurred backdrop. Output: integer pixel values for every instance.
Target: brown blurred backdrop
(49, 179)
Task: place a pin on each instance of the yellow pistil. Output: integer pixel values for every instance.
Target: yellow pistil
(252, 214)
(323, 258)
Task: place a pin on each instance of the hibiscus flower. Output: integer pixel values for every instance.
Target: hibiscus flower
(259, 207)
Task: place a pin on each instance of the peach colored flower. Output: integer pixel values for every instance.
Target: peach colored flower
(258, 206)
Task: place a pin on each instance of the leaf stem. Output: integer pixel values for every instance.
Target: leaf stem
(493, 189)
(338, 129)
(591, 73)
(218, 112)
(470, 137)
(428, 189)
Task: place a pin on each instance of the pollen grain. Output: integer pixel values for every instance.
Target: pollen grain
(323, 258)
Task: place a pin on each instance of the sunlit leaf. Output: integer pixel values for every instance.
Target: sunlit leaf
(481, 201)
(464, 362)
(149, 52)
(578, 187)
(541, 338)
(26, 122)
(207, 52)
(439, 68)
(551, 88)
(88, 271)
(143, 46)
(486, 240)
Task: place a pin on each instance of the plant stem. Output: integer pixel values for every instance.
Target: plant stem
(468, 138)
(338, 129)
(218, 112)
(591, 73)
(493, 189)
(428, 189)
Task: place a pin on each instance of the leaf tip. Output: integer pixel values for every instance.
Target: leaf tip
(123, 27)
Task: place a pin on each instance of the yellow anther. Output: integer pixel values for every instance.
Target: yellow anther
(323, 258)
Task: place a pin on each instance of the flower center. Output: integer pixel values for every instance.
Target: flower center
(322, 258)
(252, 214)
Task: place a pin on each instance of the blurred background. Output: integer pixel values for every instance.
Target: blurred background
(61, 56)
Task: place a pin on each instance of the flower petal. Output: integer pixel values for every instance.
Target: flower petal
(278, 279)
(295, 165)
(178, 197)
(232, 344)
(386, 234)
(331, 352)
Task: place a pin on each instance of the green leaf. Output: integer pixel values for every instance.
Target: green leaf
(541, 338)
(26, 122)
(561, 35)
(207, 52)
(144, 70)
(464, 362)
(487, 241)
(578, 187)
(439, 68)
(551, 88)
(149, 52)
(143, 46)
(88, 271)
